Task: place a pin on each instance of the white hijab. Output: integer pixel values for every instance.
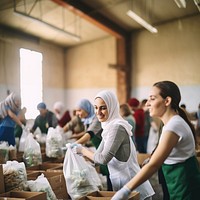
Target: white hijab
(59, 106)
(114, 117)
(13, 101)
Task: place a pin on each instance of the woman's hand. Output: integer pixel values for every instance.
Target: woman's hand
(122, 194)
(76, 148)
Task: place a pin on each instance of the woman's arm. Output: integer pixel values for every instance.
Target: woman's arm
(169, 141)
(107, 150)
(163, 150)
(70, 125)
(77, 135)
(84, 139)
(87, 153)
(14, 117)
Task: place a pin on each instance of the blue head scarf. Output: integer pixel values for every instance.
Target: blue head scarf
(89, 108)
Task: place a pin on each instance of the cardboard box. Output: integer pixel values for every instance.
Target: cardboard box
(44, 157)
(13, 154)
(56, 168)
(55, 160)
(141, 157)
(56, 180)
(20, 156)
(23, 195)
(2, 185)
(44, 167)
(107, 195)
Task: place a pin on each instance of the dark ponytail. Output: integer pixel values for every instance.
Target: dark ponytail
(182, 113)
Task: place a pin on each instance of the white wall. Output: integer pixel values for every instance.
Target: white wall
(53, 66)
(171, 54)
(87, 70)
(83, 70)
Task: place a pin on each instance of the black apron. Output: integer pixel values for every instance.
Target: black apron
(183, 179)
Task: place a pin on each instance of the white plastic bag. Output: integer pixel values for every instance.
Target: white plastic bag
(77, 175)
(23, 140)
(4, 152)
(15, 176)
(54, 143)
(39, 136)
(95, 176)
(32, 153)
(65, 135)
(41, 184)
(12, 152)
(152, 140)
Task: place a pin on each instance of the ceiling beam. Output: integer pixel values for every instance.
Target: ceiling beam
(123, 39)
(95, 18)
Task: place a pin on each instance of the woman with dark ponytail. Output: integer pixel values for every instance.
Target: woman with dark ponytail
(175, 152)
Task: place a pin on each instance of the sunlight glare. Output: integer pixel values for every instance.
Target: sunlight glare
(31, 81)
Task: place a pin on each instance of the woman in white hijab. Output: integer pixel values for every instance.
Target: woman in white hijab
(117, 149)
(62, 115)
(9, 109)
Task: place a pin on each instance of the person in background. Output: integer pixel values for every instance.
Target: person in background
(85, 111)
(147, 123)
(138, 114)
(126, 113)
(45, 119)
(75, 124)
(176, 149)
(9, 109)
(18, 129)
(153, 134)
(62, 115)
(116, 149)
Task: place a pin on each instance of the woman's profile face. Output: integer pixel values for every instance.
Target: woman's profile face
(57, 111)
(101, 110)
(81, 113)
(155, 103)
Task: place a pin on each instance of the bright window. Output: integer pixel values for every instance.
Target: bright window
(30, 81)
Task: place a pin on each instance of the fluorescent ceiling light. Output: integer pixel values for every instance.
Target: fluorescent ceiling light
(197, 3)
(142, 22)
(180, 3)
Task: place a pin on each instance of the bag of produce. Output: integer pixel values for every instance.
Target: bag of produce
(78, 176)
(54, 143)
(15, 176)
(12, 152)
(4, 152)
(23, 140)
(41, 184)
(95, 176)
(32, 153)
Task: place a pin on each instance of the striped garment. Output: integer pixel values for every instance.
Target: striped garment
(13, 101)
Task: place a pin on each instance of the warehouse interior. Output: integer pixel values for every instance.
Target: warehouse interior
(102, 29)
(86, 46)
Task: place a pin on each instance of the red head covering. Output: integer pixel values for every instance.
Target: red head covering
(133, 102)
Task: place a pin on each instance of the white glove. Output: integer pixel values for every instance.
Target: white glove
(122, 194)
(76, 148)
(145, 162)
(23, 127)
